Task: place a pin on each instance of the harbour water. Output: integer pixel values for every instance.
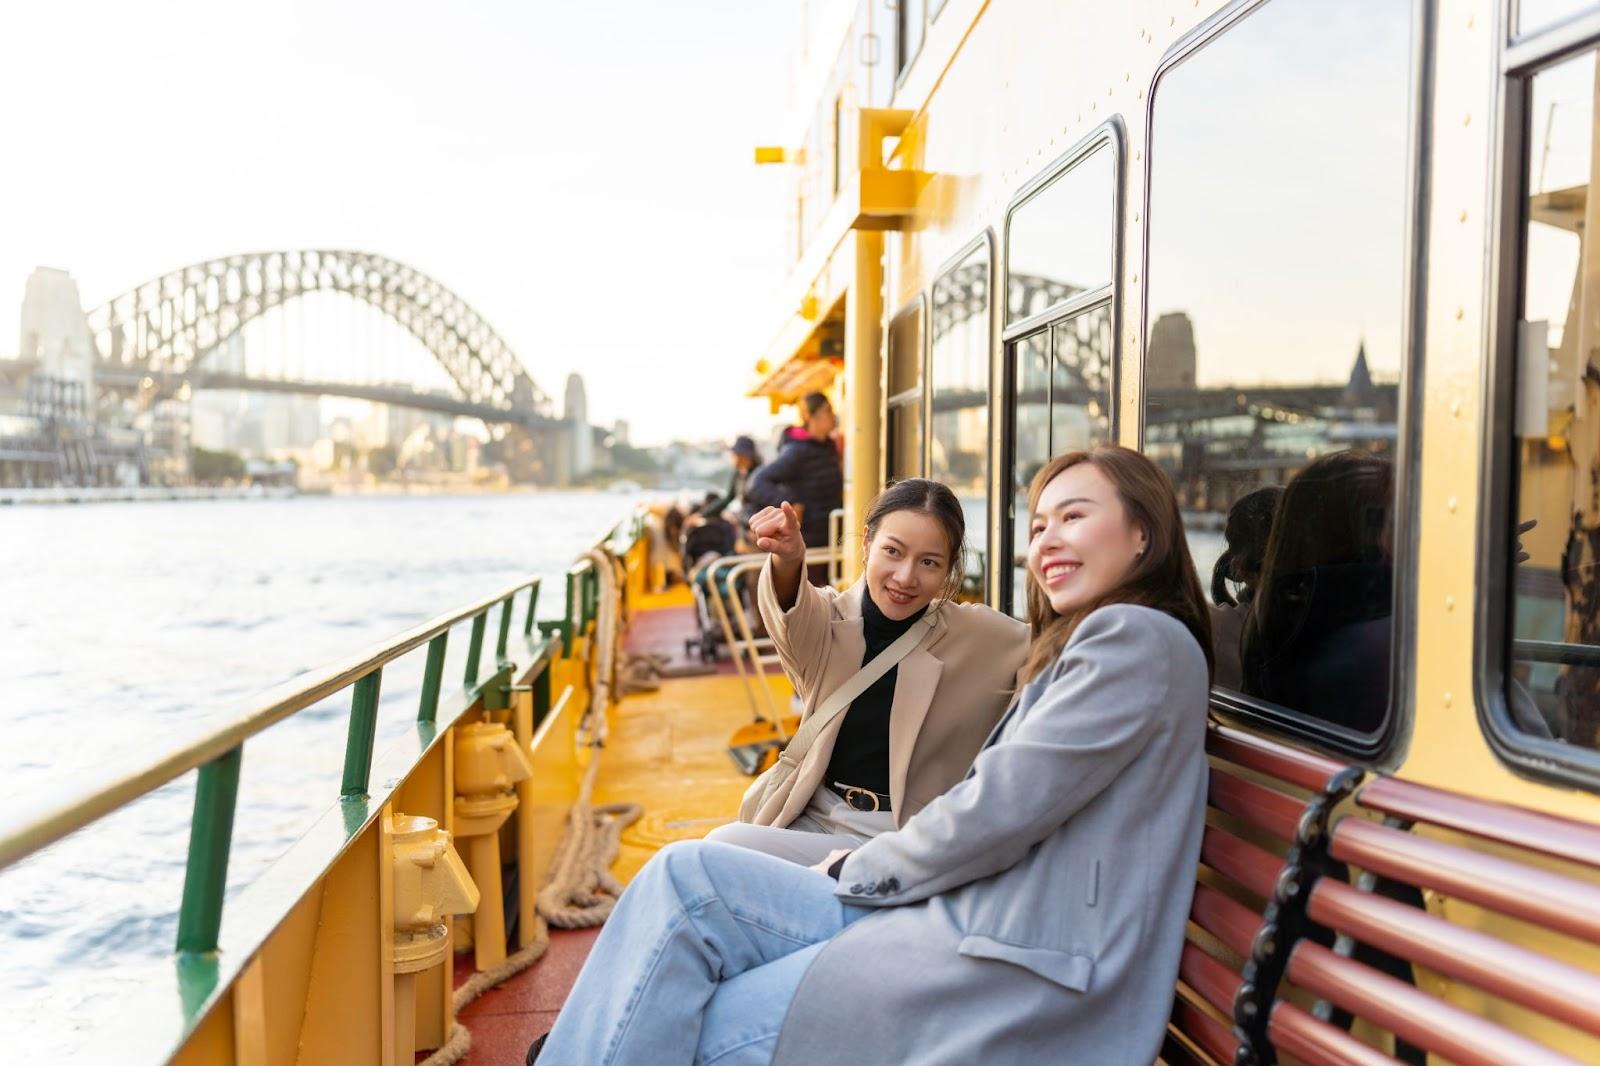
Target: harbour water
(121, 624)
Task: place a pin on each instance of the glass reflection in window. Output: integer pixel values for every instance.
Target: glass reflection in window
(958, 378)
(1030, 448)
(1535, 15)
(903, 457)
(1275, 275)
(1553, 680)
(1080, 389)
(1059, 242)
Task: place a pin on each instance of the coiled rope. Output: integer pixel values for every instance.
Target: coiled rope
(579, 891)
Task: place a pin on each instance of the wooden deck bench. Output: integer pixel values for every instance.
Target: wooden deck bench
(1486, 859)
(1268, 808)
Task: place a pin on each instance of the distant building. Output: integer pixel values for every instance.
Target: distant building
(1359, 391)
(1170, 361)
(580, 453)
(55, 331)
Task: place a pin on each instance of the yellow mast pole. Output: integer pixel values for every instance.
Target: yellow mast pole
(863, 364)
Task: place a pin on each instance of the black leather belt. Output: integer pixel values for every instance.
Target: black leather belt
(861, 799)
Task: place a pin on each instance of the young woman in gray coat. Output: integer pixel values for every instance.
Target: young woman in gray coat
(1032, 914)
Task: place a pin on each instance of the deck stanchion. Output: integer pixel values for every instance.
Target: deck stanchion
(533, 602)
(363, 730)
(505, 630)
(432, 675)
(210, 835)
(541, 695)
(475, 645)
(574, 608)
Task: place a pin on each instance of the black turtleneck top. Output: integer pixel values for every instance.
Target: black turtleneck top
(861, 754)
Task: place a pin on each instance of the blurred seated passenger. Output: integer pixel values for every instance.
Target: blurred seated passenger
(1316, 638)
(1248, 526)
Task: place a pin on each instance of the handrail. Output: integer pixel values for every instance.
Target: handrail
(76, 808)
(1555, 651)
(732, 566)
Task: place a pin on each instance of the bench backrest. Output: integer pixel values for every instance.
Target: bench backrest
(1494, 864)
(1268, 805)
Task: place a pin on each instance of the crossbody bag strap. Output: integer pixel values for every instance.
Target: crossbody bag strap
(843, 696)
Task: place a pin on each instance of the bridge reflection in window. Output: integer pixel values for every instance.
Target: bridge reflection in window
(958, 382)
(1275, 275)
(1553, 679)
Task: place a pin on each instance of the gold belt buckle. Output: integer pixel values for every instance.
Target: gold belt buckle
(851, 792)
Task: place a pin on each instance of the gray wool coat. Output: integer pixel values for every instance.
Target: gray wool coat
(1035, 912)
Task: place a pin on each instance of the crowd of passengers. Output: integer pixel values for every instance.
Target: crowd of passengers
(980, 846)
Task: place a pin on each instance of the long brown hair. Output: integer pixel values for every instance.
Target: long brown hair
(1163, 577)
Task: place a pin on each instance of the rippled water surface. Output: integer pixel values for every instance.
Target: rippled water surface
(123, 624)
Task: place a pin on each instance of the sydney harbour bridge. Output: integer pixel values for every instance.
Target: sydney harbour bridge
(159, 343)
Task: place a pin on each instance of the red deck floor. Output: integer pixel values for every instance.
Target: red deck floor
(505, 1020)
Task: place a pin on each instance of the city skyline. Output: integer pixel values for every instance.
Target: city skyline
(444, 143)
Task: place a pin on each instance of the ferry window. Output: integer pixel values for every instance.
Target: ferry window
(1058, 243)
(1553, 521)
(908, 24)
(1030, 448)
(958, 378)
(1061, 401)
(903, 428)
(1275, 273)
(1060, 338)
(1533, 15)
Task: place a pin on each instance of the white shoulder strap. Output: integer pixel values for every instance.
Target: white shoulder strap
(843, 696)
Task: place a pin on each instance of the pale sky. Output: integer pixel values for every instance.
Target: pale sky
(579, 173)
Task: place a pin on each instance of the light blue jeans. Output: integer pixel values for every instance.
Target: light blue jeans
(699, 961)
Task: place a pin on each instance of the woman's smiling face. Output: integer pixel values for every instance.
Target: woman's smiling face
(1081, 542)
(908, 560)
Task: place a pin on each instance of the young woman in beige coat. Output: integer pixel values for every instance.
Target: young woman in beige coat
(913, 733)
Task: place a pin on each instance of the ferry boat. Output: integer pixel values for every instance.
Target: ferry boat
(1332, 252)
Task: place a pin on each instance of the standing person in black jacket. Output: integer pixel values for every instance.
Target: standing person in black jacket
(806, 473)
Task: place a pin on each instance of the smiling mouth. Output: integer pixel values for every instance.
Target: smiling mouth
(1057, 573)
(897, 597)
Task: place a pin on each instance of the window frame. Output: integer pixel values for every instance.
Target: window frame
(1546, 761)
(985, 239)
(901, 25)
(918, 306)
(1384, 747)
(1112, 136)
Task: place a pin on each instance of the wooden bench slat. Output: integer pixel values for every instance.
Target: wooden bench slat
(1241, 862)
(1226, 919)
(1212, 981)
(1506, 970)
(1561, 838)
(1211, 1036)
(1504, 885)
(1315, 1042)
(1256, 804)
(1300, 768)
(1412, 1015)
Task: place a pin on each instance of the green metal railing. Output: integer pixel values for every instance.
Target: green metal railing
(218, 751)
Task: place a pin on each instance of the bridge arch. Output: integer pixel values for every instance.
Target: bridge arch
(168, 325)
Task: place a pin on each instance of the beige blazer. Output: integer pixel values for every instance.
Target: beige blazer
(948, 694)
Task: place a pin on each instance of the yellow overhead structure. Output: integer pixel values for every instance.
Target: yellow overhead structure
(808, 350)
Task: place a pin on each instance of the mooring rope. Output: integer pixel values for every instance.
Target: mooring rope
(579, 891)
